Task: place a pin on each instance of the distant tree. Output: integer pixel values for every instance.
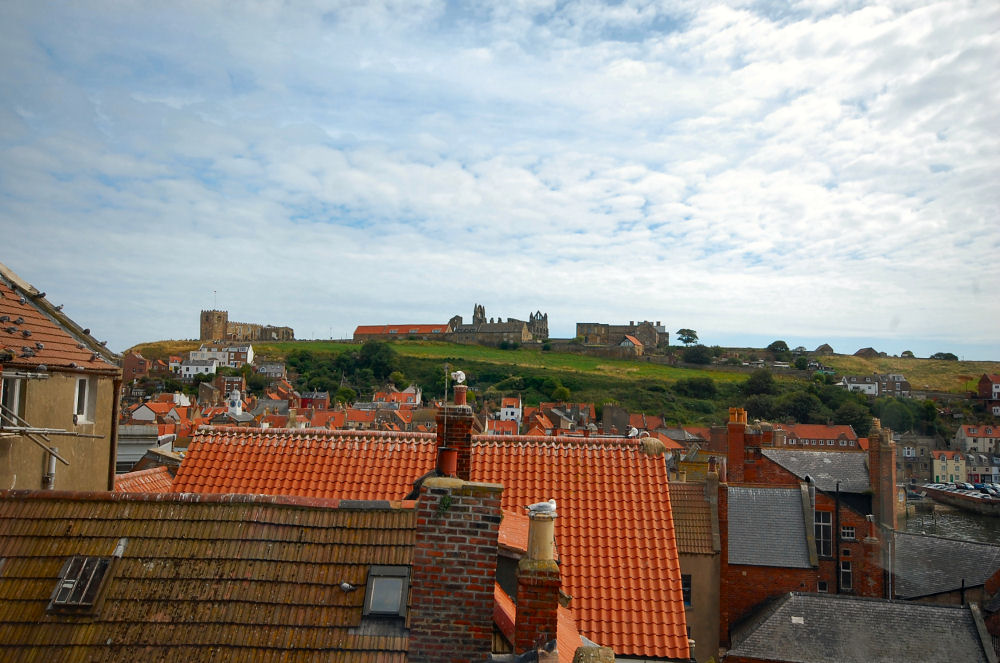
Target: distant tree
(760, 382)
(759, 406)
(560, 393)
(345, 395)
(855, 415)
(546, 346)
(897, 416)
(800, 406)
(697, 354)
(800, 350)
(947, 356)
(907, 354)
(687, 336)
(801, 363)
(398, 379)
(379, 358)
(696, 388)
(778, 346)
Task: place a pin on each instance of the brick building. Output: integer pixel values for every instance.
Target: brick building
(650, 335)
(794, 521)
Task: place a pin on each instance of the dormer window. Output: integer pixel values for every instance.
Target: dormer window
(385, 593)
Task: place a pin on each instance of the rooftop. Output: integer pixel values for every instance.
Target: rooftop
(927, 565)
(767, 528)
(819, 628)
(626, 596)
(826, 468)
(245, 577)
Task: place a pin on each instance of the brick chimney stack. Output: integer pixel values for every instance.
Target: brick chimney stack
(454, 562)
(538, 584)
(736, 444)
(454, 431)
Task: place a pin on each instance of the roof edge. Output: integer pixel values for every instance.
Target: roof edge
(210, 498)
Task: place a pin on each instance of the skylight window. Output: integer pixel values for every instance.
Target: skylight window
(385, 593)
(80, 582)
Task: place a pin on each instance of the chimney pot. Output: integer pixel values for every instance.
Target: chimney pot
(447, 461)
(460, 394)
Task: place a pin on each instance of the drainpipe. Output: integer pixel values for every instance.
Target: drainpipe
(49, 478)
(116, 403)
(836, 537)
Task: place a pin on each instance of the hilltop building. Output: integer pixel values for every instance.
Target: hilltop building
(216, 326)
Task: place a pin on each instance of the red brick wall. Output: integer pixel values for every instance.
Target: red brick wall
(454, 429)
(537, 603)
(454, 565)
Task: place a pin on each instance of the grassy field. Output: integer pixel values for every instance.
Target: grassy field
(923, 374)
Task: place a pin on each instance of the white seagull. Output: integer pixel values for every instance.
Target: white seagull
(542, 507)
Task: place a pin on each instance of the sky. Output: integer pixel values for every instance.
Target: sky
(815, 171)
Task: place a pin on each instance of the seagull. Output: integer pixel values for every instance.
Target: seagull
(633, 432)
(542, 507)
(347, 587)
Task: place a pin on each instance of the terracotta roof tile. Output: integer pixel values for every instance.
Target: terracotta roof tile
(153, 480)
(626, 596)
(35, 332)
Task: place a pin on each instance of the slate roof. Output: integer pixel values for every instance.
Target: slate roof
(824, 628)
(692, 518)
(926, 565)
(766, 527)
(825, 468)
(153, 480)
(36, 333)
(201, 578)
(625, 583)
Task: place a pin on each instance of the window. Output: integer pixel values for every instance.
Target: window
(83, 408)
(686, 588)
(79, 583)
(385, 593)
(847, 533)
(821, 586)
(11, 397)
(824, 533)
(846, 576)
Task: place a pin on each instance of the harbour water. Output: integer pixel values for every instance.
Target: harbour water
(952, 523)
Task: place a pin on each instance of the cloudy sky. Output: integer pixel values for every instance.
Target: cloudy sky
(815, 171)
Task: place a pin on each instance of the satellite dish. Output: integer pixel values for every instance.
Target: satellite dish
(458, 377)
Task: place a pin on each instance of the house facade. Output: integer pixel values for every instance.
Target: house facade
(948, 466)
(59, 396)
(977, 437)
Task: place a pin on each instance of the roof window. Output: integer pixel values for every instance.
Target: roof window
(385, 593)
(81, 580)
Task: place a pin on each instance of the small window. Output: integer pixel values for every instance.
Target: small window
(846, 576)
(80, 582)
(686, 588)
(846, 552)
(821, 586)
(86, 396)
(385, 593)
(847, 533)
(11, 390)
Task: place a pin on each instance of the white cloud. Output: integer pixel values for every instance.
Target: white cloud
(829, 171)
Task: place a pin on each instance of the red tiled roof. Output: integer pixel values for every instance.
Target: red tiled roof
(634, 341)
(401, 330)
(514, 531)
(510, 401)
(820, 431)
(497, 427)
(360, 415)
(50, 337)
(153, 480)
(504, 612)
(611, 496)
(704, 432)
(327, 419)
